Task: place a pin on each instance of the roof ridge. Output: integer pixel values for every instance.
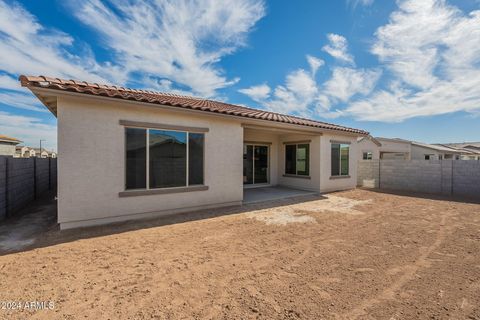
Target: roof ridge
(174, 99)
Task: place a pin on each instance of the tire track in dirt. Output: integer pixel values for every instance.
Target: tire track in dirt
(408, 271)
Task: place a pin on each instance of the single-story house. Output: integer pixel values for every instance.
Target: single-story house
(8, 145)
(41, 153)
(425, 151)
(374, 148)
(469, 150)
(166, 153)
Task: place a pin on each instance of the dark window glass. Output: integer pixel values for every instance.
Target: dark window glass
(335, 159)
(247, 164)
(344, 159)
(291, 159)
(195, 158)
(136, 164)
(303, 151)
(168, 158)
(261, 164)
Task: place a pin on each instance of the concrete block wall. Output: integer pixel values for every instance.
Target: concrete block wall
(368, 173)
(449, 177)
(22, 180)
(466, 178)
(413, 175)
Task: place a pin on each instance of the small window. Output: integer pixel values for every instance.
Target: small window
(340, 159)
(427, 157)
(367, 155)
(297, 159)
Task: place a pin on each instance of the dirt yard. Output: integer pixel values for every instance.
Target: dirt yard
(350, 255)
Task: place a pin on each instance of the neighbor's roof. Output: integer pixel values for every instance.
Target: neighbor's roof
(9, 139)
(173, 100)
(369, 137)
(435, 147)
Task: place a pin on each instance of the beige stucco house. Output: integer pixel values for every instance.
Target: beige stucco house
(8, 145)
(370, 148)
(164, 153)
(24, 152)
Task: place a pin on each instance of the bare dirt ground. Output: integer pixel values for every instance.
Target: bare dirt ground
(350, 255)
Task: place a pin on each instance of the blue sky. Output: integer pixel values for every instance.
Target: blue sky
(406, 68)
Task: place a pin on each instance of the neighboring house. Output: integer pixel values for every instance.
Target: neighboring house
(165, 153)
(41, 153)
(469, 150)
(8, 145)
(370, 148)
(28, 152)
(24, 152)
(427, 151)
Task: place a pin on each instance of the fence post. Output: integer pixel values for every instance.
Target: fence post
(49, 174)
(6, 188)
(35, 177)
(451, 180)
(379, 173)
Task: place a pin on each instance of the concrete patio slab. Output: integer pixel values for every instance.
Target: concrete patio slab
(254, 195)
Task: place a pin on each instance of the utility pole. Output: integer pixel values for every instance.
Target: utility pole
(41, 146)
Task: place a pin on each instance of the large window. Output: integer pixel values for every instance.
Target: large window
(340, 159)
(297, 158)
(163, 158)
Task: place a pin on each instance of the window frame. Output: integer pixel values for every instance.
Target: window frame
(367, 153)
(307, 159)
(147, 158)
(340, 145)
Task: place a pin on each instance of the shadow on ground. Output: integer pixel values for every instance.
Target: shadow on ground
(431, 196)
(36, 227)
(49, 233)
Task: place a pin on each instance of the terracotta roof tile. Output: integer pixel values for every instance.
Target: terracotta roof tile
(174, 100)
(7, 138)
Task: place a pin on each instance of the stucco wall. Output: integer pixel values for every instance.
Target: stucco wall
(313, 183)
(91, 170)
(328, 183)
(367, 145)
(418, 153)
(7, 149)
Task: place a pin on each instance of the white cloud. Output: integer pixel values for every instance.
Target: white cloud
(28, 47)
(347, 82)
(355, 3)
(338, 48)
(432, 50)
(28, 129)
(257, 93)
(315, 63)
(297, 95)
(178, 40)
(303, 95)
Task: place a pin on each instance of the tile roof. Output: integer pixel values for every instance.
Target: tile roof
(174, 100)
(7, 138)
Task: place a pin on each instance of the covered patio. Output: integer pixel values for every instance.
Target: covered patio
(263, 194)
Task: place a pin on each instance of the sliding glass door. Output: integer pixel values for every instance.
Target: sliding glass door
(255, 164)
